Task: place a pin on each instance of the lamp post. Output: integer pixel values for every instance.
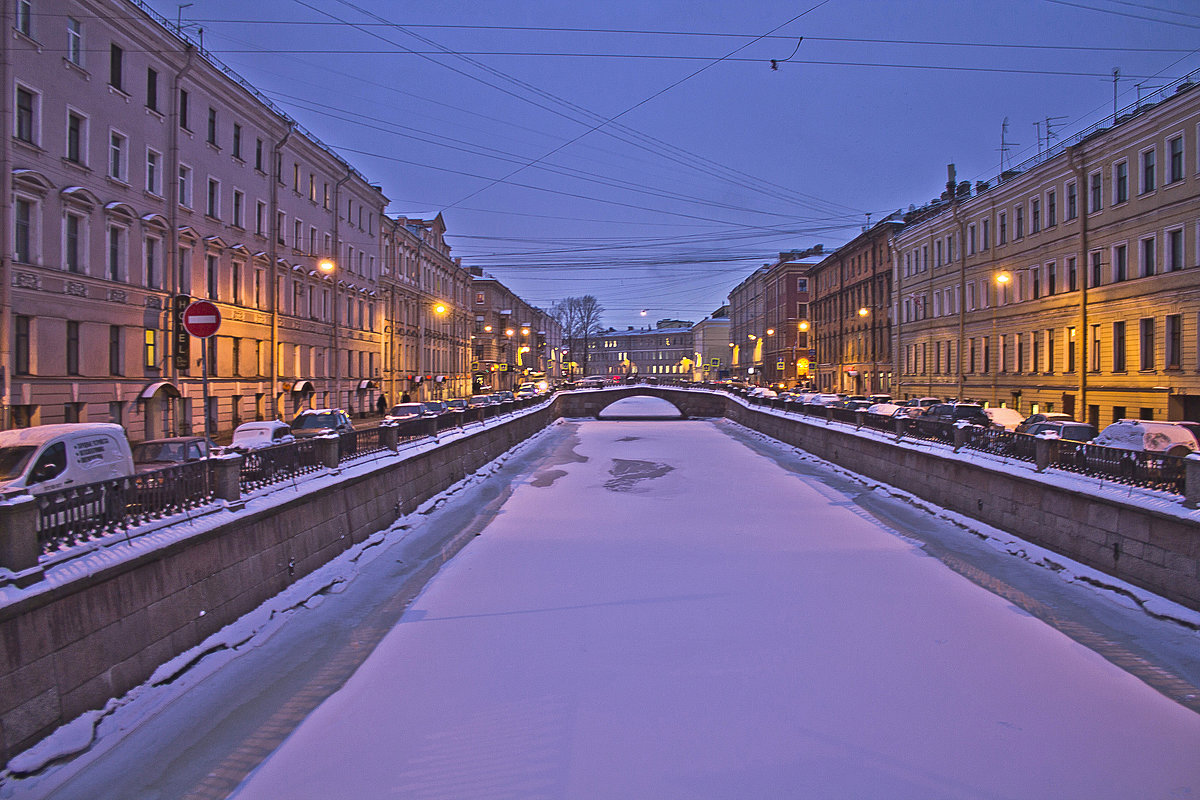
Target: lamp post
(328, 267)
(1002, 280)
(863, 314)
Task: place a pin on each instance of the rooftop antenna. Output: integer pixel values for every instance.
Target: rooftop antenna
(1005, 145)
(179, 16)
(1116, 77)
(1037, 128)
(1051, 124)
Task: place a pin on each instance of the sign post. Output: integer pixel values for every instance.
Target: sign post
(202, 319)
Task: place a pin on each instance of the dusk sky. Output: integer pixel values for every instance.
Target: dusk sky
(648, 153)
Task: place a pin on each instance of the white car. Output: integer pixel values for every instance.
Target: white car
(255, 435)
(1006, 418)
(1172, 438)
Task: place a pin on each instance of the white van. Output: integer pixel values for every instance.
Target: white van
(51, 457)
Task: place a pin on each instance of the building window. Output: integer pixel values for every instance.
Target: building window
(1175, 154)
(1149, 257)
(1002, 236)
(1146, 336)
(1121, 182)
(1095, 354)
(74, 41)
(23, 231)
(152, 269)
(1174, 250)
(258, 155)
(26, 120)
(115, 58)
(239, 209)
(185, 186)
(114, 350)
(971, 239)
(984, 244)
(150, 349)
(1051, 278)
(116, 253)
(213, 204)
(24, 21)
(72, 347)
(1095, 269)
(1120, 257)
(237, 141)
(152, 88)
(212, 126)
(153, 172)
(802, 284)
(1072, 283)
(211, 264)
(1118, 360)
(1051, 208)
(76, 138)
(1070, 349)
(22, 345)
(183, 109)
(236, 280)
(1149, 171)
(1174, 341)
(118, 146)
(1096, 194)
(1072, 201)
(260, 215)
(1020, 221)
(1035, 215)
(73, 248)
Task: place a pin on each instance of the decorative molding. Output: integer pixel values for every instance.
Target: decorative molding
(118, 296)
(75, 288)
(154, 301)
(26, 280)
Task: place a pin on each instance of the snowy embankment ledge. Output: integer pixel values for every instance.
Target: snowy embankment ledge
(89, 558)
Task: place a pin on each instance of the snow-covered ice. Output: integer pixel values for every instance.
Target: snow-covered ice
(659, 611)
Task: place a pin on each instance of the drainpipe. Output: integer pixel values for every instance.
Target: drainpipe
(6, 220)
(273, 175)
(171, 190)
(337, 259)
(1078, 161)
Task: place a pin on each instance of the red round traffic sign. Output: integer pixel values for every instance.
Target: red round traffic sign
(201, 319)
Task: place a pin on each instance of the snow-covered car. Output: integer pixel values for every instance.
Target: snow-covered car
(826, 399)
(434, 408)
(885, 409)
(1006, 418)
(762, 391)
(1172, 438)
(1034, 419)
(266, 433)
(480, 400)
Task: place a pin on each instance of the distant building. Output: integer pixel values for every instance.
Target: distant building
(769, 341)
(661, 351)
(512, 341)
(710, 341)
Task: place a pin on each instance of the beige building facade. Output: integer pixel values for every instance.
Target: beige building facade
(1070, 284)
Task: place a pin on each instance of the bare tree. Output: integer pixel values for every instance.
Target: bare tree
(580, 321)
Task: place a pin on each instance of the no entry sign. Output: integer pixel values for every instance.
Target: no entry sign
(201, 319)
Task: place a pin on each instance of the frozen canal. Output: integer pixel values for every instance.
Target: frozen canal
(680, 609)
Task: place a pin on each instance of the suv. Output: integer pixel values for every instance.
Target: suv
(1034, 419)
(1064, 429)
(320, 421)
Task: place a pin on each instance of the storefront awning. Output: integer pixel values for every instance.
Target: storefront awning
(166, 387)
(367, 384)
(301, 386)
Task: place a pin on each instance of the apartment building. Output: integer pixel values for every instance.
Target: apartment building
(1069, 284)
(512, 342)
(710, 341)
(427, 330)
(140, 174)
(851, 320)
(664, 351)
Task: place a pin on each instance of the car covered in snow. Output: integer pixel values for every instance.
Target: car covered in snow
(320, 422)
(1003, 417)
(402, 412)
(1063, 429)
(265, 433)
(1154, 436)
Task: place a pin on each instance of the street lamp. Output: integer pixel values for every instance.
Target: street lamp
(327, 266)
(1002, 279)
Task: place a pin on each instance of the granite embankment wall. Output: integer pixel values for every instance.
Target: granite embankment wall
(71, 647)
(1144, 546)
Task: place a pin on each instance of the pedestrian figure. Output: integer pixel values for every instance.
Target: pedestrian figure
(404, 398)
(381, 404)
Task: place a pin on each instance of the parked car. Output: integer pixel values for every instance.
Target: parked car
(1171, 438)
(527, 390)
(321, 421)
(155, 454)
(1006, 418)
(253, 435)
(480, 400)
(457, 404)
(921, 402)
(403, 412)
(879, 398)
(1034, 419)
(592, 382)
(857, 404)
(885, 410)
(434, 408)
(46, 458)
(950, 413)
(1064, 429)
(506, 397)
(761, 391)
(825, 399)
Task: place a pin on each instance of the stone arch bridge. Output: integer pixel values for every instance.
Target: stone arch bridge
(690, 402)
